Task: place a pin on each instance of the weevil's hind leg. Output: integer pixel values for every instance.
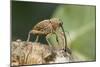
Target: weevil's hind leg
(48, 40)
(28, 38)
(37, 38)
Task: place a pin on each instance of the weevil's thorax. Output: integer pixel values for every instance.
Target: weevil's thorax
(55, 23)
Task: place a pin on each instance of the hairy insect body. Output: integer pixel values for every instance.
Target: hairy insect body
(44, 27)
(48, 27)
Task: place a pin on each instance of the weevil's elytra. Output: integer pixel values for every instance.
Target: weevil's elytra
(48, 27)
(44, 27)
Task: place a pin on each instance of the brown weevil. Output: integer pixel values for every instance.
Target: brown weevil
(48, 27)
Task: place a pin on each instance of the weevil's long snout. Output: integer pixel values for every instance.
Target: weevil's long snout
(66, 49)
(28, 38)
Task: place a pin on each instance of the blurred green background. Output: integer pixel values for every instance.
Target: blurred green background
(78, 20)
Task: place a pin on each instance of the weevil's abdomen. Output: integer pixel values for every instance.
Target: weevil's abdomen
(43, 27)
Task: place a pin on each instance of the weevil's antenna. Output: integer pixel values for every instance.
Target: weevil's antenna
(65, 47)
(69, 36)
(28, 38)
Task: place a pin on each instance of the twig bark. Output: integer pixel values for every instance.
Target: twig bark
(26, 53)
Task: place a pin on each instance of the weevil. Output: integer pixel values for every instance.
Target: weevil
(48, 27)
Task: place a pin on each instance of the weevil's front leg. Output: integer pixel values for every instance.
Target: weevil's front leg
(57, 38)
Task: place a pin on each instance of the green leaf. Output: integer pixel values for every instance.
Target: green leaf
(79, 21)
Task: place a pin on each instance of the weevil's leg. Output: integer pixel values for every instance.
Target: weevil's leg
(62, 38)
(37, 38)
(48, 40)
(57, 38)
(37, 34)
(29, 36)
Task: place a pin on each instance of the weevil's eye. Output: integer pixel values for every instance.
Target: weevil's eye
(57, 20)
(60, 22)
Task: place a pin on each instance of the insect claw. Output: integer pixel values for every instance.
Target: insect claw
(68, 50)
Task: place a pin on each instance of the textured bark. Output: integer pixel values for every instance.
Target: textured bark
(27, 53)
